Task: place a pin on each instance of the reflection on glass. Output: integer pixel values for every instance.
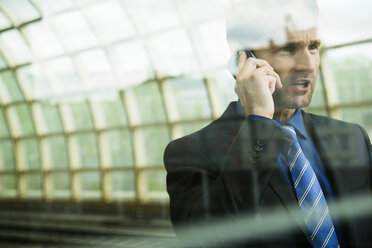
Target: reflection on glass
(33, 82)
(110, 21)
(191, 98)
(149, 103)
(50, 117)
(122, 181)
(14, 47)
(153, 15)
(42, 39)
(80, 114)
(155, 181)
(20, 11)
(9, 85)
(7, 156)
(90, 184)
(60, 183)
(119, 146)
(168, 58)
(361, 116)
(131, 62)
(350, 68)
(88, 152)
(95, 69)
(9, 185)
(4, 21)
(20, 119)
(30, 154)
(74, 31)
(4, 132)
(62, 75)
(154, 141)
(57, 150)
(33, 185)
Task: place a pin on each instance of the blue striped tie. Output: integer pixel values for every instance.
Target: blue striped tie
(309, 194)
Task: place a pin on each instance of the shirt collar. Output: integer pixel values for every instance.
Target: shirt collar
(298, 123)
(296, 120)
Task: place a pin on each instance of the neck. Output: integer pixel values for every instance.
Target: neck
(284, 115)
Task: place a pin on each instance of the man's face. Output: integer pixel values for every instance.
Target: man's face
(297, 63)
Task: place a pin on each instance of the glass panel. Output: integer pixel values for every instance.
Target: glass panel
(20, 120)
(60, 181)
(196, 10)
(318, 96)
(52, 6)
(9, 185)
(191, 98)
(57, 148)
(149, 103)
(211, 40)
(63, 76)
(31, 154)
(4, 21)
(90, 184)
(153, 15)
(156, 181)
(333, 32)
(51, 117)
(88, 151)
(95, 69)
(74, 31)
(14, 47)
(81, 115)
(20, 11)
(224, 84)
(131, 62)
(154, 141)
(33, 82)
(110, 22)
(122, 181)
(361, 116)
(4, 132)
(109, 110)
(351, 71)
(34, 185)
(188, 128)
(42, 39)
(7, 161)
(9, 84)
(119, 147)
(172, 53)
(2, 63)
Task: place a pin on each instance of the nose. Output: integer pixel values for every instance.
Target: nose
(305, 61)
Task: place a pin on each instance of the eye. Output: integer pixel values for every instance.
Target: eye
(286, 50)
(314, 46)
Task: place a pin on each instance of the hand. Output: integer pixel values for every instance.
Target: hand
(256, 81)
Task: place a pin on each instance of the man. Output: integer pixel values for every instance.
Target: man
(265, 155)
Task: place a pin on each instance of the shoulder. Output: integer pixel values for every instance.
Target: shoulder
(215, 136)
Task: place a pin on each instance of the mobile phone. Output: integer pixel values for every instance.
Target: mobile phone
(233, 64)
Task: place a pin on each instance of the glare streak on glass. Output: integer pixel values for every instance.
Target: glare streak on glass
(14, 47)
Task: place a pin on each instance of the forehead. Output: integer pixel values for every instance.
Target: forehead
(303, 36)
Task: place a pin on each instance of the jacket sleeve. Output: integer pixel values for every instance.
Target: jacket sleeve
(210, 175)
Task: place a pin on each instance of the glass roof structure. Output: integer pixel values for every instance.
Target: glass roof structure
(92, 91)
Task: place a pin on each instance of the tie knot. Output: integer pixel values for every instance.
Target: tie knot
(289, 133)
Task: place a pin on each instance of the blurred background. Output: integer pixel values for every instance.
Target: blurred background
(91, 91)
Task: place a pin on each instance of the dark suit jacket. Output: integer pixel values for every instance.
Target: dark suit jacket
(230, 169)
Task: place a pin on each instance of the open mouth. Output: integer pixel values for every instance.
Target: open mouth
(302, 83)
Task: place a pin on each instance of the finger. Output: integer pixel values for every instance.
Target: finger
(249, 67)
(271, 72)
(241, 61)
(272, 82)
(261, 63)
